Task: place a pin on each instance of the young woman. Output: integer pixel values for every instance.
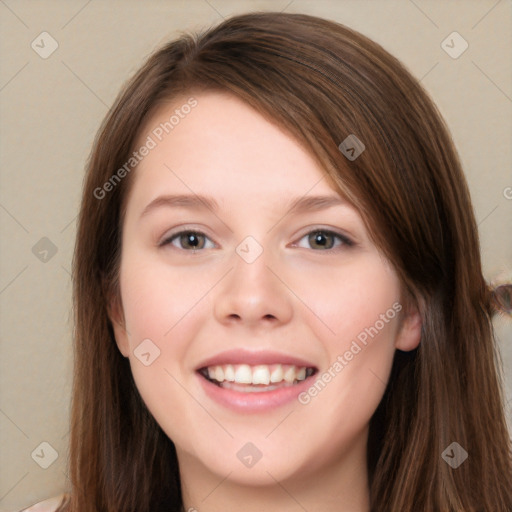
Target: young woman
(278, 289)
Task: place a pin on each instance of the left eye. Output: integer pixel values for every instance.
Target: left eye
(325, 239)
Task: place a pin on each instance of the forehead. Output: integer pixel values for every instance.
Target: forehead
(223, 147)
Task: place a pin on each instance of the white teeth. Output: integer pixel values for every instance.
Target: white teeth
(243, 374)
(277, 374)
(289, 374)
(258, 375)
(219, 374)
(229, 373)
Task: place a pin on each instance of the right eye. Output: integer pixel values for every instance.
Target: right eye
(188, 240)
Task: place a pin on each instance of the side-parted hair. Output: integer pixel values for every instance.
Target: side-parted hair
(320, 82)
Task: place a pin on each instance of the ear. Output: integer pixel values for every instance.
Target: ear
(116, 316)
(409, 330)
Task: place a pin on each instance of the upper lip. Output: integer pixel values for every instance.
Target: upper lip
(253, 358)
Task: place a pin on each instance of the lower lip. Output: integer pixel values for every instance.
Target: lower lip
(253, 402)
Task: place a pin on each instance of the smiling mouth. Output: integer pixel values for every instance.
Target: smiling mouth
(258, 378)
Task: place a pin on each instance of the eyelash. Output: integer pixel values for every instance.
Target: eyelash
(345, 241)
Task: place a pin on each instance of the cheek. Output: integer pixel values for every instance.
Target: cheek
(162, 310)
(350, 298)
(161, 313)
(157, 298)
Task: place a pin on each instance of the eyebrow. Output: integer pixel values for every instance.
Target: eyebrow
(201, 202)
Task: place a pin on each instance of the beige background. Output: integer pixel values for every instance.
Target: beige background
(51, 109)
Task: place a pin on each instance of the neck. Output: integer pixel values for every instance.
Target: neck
(341, 485)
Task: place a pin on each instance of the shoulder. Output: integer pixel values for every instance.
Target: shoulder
(49, 505)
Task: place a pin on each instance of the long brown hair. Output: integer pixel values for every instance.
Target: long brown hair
(321, 82)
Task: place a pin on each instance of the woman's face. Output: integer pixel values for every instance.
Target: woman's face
(259, 335)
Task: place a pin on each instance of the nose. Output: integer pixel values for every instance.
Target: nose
(253, 294)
